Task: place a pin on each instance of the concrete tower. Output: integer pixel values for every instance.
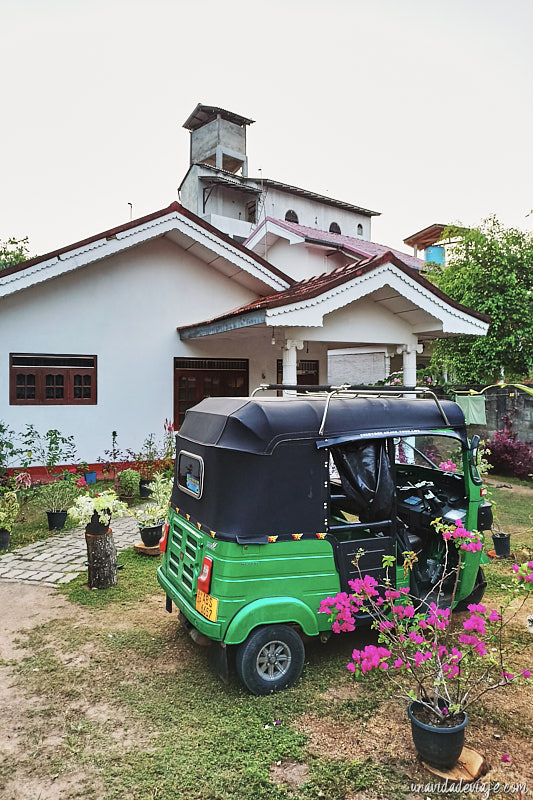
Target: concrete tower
(218, 138)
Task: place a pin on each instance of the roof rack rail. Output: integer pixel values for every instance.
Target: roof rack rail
(353, 390)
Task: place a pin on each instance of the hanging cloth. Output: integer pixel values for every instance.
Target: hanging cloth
(473, 407)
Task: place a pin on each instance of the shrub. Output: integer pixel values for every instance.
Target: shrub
(59, 495)
(509, 456)
(128, 482)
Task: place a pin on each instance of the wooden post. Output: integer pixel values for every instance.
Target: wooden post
(101, 559)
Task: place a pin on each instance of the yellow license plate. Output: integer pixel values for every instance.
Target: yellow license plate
(207, 605)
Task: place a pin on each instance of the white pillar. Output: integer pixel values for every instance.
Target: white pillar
(409, 352)
(290, 360)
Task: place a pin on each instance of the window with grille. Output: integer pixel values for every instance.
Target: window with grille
(291, 216)
(40, 379)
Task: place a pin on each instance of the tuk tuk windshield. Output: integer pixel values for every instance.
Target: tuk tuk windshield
(442, 453)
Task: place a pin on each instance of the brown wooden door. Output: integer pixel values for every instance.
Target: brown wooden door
(218, 378)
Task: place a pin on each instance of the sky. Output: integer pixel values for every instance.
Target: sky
(419, 109)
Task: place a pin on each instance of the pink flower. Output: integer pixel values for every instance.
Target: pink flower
(475, 624)
(506, 758)
(526, 673)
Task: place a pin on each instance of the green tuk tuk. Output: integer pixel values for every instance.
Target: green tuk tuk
(274, 496)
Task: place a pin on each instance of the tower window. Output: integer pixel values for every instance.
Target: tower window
(359, 230)
(334, 228)
(251, 212)
(291, 216)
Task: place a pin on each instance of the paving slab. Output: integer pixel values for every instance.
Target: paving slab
(61, 557)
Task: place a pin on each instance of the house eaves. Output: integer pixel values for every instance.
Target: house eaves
(307, 302)
(172, 219)
(261, 183)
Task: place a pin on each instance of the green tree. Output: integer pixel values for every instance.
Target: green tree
(489, 269)
(13, 251)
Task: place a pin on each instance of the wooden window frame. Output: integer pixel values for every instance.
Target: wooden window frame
(40, 371)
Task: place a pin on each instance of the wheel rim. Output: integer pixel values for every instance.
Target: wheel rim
(273, 660)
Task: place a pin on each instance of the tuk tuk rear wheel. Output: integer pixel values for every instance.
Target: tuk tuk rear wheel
(270, 659)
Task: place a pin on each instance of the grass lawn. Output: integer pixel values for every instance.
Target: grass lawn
(113, 701)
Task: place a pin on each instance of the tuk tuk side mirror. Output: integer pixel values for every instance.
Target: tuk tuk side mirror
(474, 448)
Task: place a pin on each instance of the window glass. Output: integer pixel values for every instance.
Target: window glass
(190, 470)
(433, 452)
(335, 228)
(291, 216)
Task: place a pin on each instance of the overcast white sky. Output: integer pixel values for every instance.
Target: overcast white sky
(420, 109)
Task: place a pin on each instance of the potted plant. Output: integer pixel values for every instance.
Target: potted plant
(151, 516)
(89, 475)
(97, 509)
(9, 511)
(56, 498)
(128, 484)
(440, 669)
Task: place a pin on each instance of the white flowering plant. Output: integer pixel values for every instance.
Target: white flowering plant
(155, 512)
(105, 504)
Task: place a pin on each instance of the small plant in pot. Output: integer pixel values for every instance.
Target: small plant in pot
(56, 498)
(95, 511)
(151, 516)
(128, 484)
(97, 508)
(441, 669)
(88, 474)
(9, 511)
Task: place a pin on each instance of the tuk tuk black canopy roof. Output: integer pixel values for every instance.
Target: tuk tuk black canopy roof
(257, 424)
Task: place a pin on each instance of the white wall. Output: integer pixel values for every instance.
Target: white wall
(125, 310)
(314, 213)
(301, 261)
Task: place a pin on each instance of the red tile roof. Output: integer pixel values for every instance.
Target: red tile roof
(360, 247)
(312, 287)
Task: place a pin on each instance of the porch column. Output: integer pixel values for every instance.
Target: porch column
(409, 352)
(290, 359)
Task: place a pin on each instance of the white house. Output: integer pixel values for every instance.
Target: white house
(138, 323)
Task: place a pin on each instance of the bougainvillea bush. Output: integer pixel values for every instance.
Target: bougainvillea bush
(508, 456)
(447, 666)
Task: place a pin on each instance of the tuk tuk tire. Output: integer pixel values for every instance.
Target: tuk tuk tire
(270, 659)
(476, 594)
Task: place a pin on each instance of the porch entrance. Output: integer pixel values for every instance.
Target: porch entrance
(196, 378)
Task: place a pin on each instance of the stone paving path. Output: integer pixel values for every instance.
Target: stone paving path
(62, 556)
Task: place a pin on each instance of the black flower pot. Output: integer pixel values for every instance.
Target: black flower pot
(151, 536)
(502, 544)
(4, 538)
(56, 520)
(437, 745)
(95, 527)
(144, 491)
